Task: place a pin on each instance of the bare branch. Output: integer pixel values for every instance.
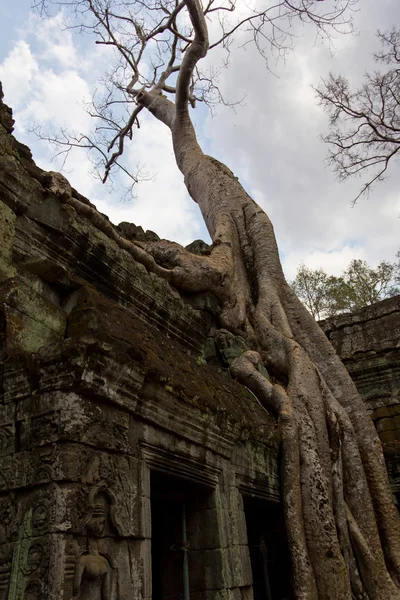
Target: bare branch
(125, 131)
(365, 124)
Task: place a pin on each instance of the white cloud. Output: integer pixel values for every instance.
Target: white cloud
(57, 99)
(56, 42)
(333, 261)
(17, 71)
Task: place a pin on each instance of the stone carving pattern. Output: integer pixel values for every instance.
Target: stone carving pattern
(30, 563)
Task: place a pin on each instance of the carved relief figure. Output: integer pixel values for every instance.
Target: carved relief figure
(93, 575)
(92, 580)
(7, 517)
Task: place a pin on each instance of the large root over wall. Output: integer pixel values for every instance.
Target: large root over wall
(342, 525)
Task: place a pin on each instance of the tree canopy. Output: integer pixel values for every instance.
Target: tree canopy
(359, 285)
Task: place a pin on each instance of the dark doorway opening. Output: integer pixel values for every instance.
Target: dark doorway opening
(176, 504)
(269, 553)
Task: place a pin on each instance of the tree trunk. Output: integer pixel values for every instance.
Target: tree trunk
(342, 525)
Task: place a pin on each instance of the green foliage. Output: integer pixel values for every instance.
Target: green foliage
(201, 360)
(359, 285)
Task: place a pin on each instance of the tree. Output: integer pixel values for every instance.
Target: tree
(366, 285)
(342, 525)
(358, 286)
(312, 289)
(365, 124)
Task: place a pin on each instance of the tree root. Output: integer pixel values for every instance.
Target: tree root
(274, 398)
(331, 556)
(189, 272)
(60, 187)
(169, 260)
(376, 579)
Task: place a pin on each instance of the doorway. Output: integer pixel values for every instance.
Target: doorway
(178, 511)
(269, 553)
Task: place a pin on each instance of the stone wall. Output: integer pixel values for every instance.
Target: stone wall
(112, 426)
(368, 342)
(117, 437)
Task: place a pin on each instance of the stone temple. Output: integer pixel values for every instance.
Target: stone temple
(131, 465)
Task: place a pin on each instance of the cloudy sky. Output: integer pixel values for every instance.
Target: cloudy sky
(271, 141)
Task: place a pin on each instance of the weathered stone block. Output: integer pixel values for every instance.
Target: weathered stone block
(138, 569)
(240, 567)
(386, 412)
(48, 211)
(220, 568)
(389, 436)
(7, 232)
(31, 320)
(204, 530)
(225, 594)
(52, 417)
(391, 423)
(208, 570)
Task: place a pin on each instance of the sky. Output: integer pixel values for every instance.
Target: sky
(271, 141)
